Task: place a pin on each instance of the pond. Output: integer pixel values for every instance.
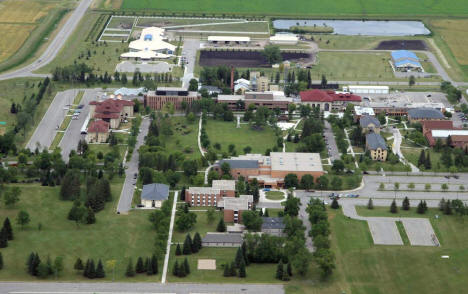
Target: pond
(359, 27)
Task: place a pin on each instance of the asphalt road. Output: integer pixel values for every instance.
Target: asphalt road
(331, 142)
(131, 167)
(45, 132)
(189, 50)
(73, 133)
(54, 47)
(108, 288)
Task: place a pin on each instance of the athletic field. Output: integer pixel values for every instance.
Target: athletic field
(305, 7)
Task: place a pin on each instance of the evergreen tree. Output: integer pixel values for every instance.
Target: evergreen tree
(406, 204)
(286, 277)
(186, 266)
(242, 273)
(8, 229)
(78, 264)
(442, 204)
(86, 268)
(197, 243)
(335, 204)
(49, 266)
(100, 270)
(148, 267)
(35, 264)
(154, 264)
(221, 226)
(279, 271)
(182, 272)
(187, 249)
(427, 162)
(1, 261)
(420, 209)
(393, 207)
(90, 216)
(130, 272)
(140, 268)
(232, 270)
(91, 269)
(244, 253)
(29, 263)
(175, 269)
(239, 257)
(226, 271)
(3, 238)
(370, 204)
(425, 205)
(422, 158)
(289, 269)
(448, 207)
(178, 250)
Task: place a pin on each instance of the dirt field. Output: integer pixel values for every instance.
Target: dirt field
(455, 33)
(402, 45)
(244, 58)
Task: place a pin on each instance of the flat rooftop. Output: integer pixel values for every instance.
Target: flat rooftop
(224, 185)
(294, 161)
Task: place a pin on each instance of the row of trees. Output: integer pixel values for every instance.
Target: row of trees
(150, 266)
(36, 267)
(181, 270)
(189, 246)
(237, 266)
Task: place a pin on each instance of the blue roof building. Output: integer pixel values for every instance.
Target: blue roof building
(405, 60)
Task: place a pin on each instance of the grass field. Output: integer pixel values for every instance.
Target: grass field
(365, 268)
(226, 133)
(236, 27)
(172, 21)
(412, 155)
(184, 138)
(455, 33)
(303, 7)
(274, 195)
(202, 226)
(113, 236)
(13, 36)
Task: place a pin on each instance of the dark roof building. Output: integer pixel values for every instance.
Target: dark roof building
(222, 240)
(239, 163)
(158, 192)
(367, 120)
(272, 223)
(375, 141)
(425, 113)
(98, 126)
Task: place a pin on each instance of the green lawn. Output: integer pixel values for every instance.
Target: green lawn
(305, 8)
(385, 211)
(412, 155)
(365, 268)
(184, 139)
(274, 195)
(226, 133)
(202, 226)
(113, 236)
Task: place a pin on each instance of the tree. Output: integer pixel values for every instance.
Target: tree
(193, 85)
(226, 272)
(307, 182)
(290, 181)
(411, 186)
(197, 243)
(242, 273)
(3, 239)
(422, 158)
(42, 271)
(90, 269)
(427, 187)
(186, 266)
(406, 204)
(232, 270)
(187, 248)
(279, 270)
(140, 267)
(185, 221)
(448, 207)
(221, 227)
(370, 204)
(272, 54)
(148, 267)
(154, 264)
(442, 204)
(324, 82)
(289, 269)
(326, 261)
(23, 218)
(8, 229)
(291, 207)
(175, 269)
(252, 220)
(411, 81)
(78, 264)
(178, 250)
(100, 273)
(393, 207)
(210, 215)
(444, 187)
(11, 196)
(420, 208)
(381, 186)
(338, 166)
(239, 257)
(1, 261)
(335, 204)
(130, 272)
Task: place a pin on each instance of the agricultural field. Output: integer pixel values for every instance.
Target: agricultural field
(369, 269)
(112, 237)
(307, 8)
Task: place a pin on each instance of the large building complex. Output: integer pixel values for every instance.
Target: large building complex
(269, 99)
(328, 100)
(150, 46)
(113, 111)
(211, 196)
(271, 170)
(156, 100)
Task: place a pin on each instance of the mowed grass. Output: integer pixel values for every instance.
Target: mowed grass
(274, 195)
(226, 133)
(113, 237)
(365, 268)
(202, 226)
(304, 7)
(184, 139)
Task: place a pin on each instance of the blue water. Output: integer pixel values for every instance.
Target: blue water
(358, 27)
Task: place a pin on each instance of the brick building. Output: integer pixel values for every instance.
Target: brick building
(270, 100)
(211, 196)
(98, 132)
(113, 111)
(156, 100)
(328, 100)
(233, 207)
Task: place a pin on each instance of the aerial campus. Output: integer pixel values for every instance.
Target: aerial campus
(267, 147)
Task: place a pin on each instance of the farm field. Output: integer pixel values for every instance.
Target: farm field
(365, 268)
(304, 8)
(111, 237)
(226, 133)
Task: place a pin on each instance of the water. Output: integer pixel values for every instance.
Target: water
(358, 27)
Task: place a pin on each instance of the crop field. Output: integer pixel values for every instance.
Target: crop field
(305, 7)
(13, 37)
(455, 34)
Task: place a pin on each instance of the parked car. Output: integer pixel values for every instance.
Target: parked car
(80, 106)
(135, 175)
(267, 189)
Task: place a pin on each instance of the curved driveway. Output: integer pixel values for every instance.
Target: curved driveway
(54, 47)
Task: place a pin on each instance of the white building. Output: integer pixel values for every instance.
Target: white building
(358, 89)
(284, 39)
(360, 111)
(228, 39)
(150, 45)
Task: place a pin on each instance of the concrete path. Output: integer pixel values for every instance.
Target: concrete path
(54, 47)
(396, 148)
(189, 50)
(106, 287)
(384, 232)
(131, 168)
(200, 122)
(420, 232)
(286, 137)
(351, 148)
(169, 238)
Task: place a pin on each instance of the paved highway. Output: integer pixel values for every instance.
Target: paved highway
(108, 288)
(54, 47)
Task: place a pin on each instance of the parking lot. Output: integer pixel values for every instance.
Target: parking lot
(406, 98)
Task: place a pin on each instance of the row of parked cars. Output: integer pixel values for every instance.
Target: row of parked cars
(463, 117)
(334, 195)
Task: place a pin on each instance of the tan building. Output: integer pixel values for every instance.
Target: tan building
(271, 100)
(113, 111)
(234, 207)
(377, 147)
(423, 114)
(369, 124)
(98, 132)
(211, 196)
(153, 195)
(156, 100)
(271, 170)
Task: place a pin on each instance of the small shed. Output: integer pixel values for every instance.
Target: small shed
(153, 195)
(222, 240)
(273, 226)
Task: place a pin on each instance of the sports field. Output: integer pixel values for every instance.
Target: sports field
(305, 7)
